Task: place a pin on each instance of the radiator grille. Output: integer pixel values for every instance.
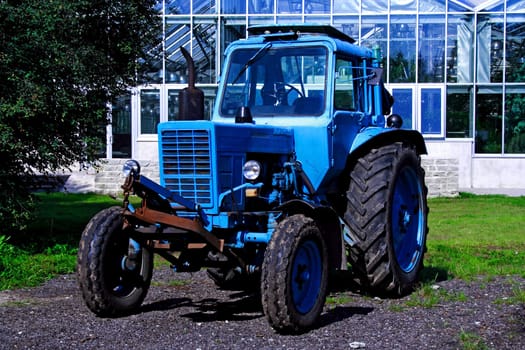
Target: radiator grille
(186, 164)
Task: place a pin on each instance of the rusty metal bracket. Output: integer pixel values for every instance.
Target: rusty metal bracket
(157, 217)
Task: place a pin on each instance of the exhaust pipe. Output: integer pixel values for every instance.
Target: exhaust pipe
(191, 99)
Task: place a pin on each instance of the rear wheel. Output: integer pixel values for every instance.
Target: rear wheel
(114, 271)
(387, 216)
(294, 275)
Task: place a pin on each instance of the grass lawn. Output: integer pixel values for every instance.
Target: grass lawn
(469, 236)
(476, 235)
(49, 245)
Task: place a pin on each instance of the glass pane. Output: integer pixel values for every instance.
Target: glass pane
(432, 5)
(374, 6)
(317, 6)
(279, 81)
(233, 7)
(285, 19)
(515, 6)
(515, 71)
(515, 121)
(177, 7)
(149, 111)
(488, 122)
(456, 7)
(209, 101)
(431, 111)
(348, 25)
(374, 33)
(403, 105)
(402, 49)
(460, 49)
(316, 19)
(261, 20)
(289, 6)
(203, 6)
(492, 6)
(121, 127)
(459, 121)
(402, 5)
(345, 85)
(260, 6)
(231, 32)
(490, 49)
(296, 6)
(177, 35)
(173, 104)
(348, 6)
(203, 54)
(431, 56)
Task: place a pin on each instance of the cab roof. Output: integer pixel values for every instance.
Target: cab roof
(296, 30)
(288, 33)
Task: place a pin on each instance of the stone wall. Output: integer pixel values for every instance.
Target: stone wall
(441, 176)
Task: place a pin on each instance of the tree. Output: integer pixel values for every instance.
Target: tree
(61, 62)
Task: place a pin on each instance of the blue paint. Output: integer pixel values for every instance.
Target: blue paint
(408, 220)
(307, 270)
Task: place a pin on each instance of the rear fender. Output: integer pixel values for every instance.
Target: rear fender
(375, 137)
(328, 222)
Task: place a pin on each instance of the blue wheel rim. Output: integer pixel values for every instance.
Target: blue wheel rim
(306, 276)
(408, 220)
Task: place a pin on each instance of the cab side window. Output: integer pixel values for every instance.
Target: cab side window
(345, 85)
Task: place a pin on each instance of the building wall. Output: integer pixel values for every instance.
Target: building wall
(458, 150)
(491, 172)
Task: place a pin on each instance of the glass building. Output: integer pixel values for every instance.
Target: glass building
(456, 67)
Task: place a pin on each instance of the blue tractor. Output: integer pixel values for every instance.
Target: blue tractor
(298, 174)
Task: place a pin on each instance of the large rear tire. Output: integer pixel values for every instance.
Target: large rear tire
(387, 216)
(114, 272)
(294, 275)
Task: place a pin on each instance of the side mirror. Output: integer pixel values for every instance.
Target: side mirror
(375, 77)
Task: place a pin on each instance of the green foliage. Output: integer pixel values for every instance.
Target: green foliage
(429, 296)
(60, 63)
(18, 268)
(472, 341)
(335, 299)
(516, 298)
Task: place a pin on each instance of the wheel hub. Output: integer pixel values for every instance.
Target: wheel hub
(128, 264)
(404, 221)
(302, 276)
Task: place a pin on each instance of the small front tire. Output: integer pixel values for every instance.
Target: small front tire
(294, 275)
(114, 272)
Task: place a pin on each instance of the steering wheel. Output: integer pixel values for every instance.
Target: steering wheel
(279, 93)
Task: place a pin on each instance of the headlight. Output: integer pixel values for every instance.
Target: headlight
(131, 167)
(251, 170)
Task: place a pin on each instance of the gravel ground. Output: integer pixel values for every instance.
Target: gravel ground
(194, 314)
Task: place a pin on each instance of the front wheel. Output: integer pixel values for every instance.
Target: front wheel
(387, 216)
(113, 270)
(294, 275)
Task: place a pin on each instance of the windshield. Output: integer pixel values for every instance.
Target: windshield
(276, 81)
